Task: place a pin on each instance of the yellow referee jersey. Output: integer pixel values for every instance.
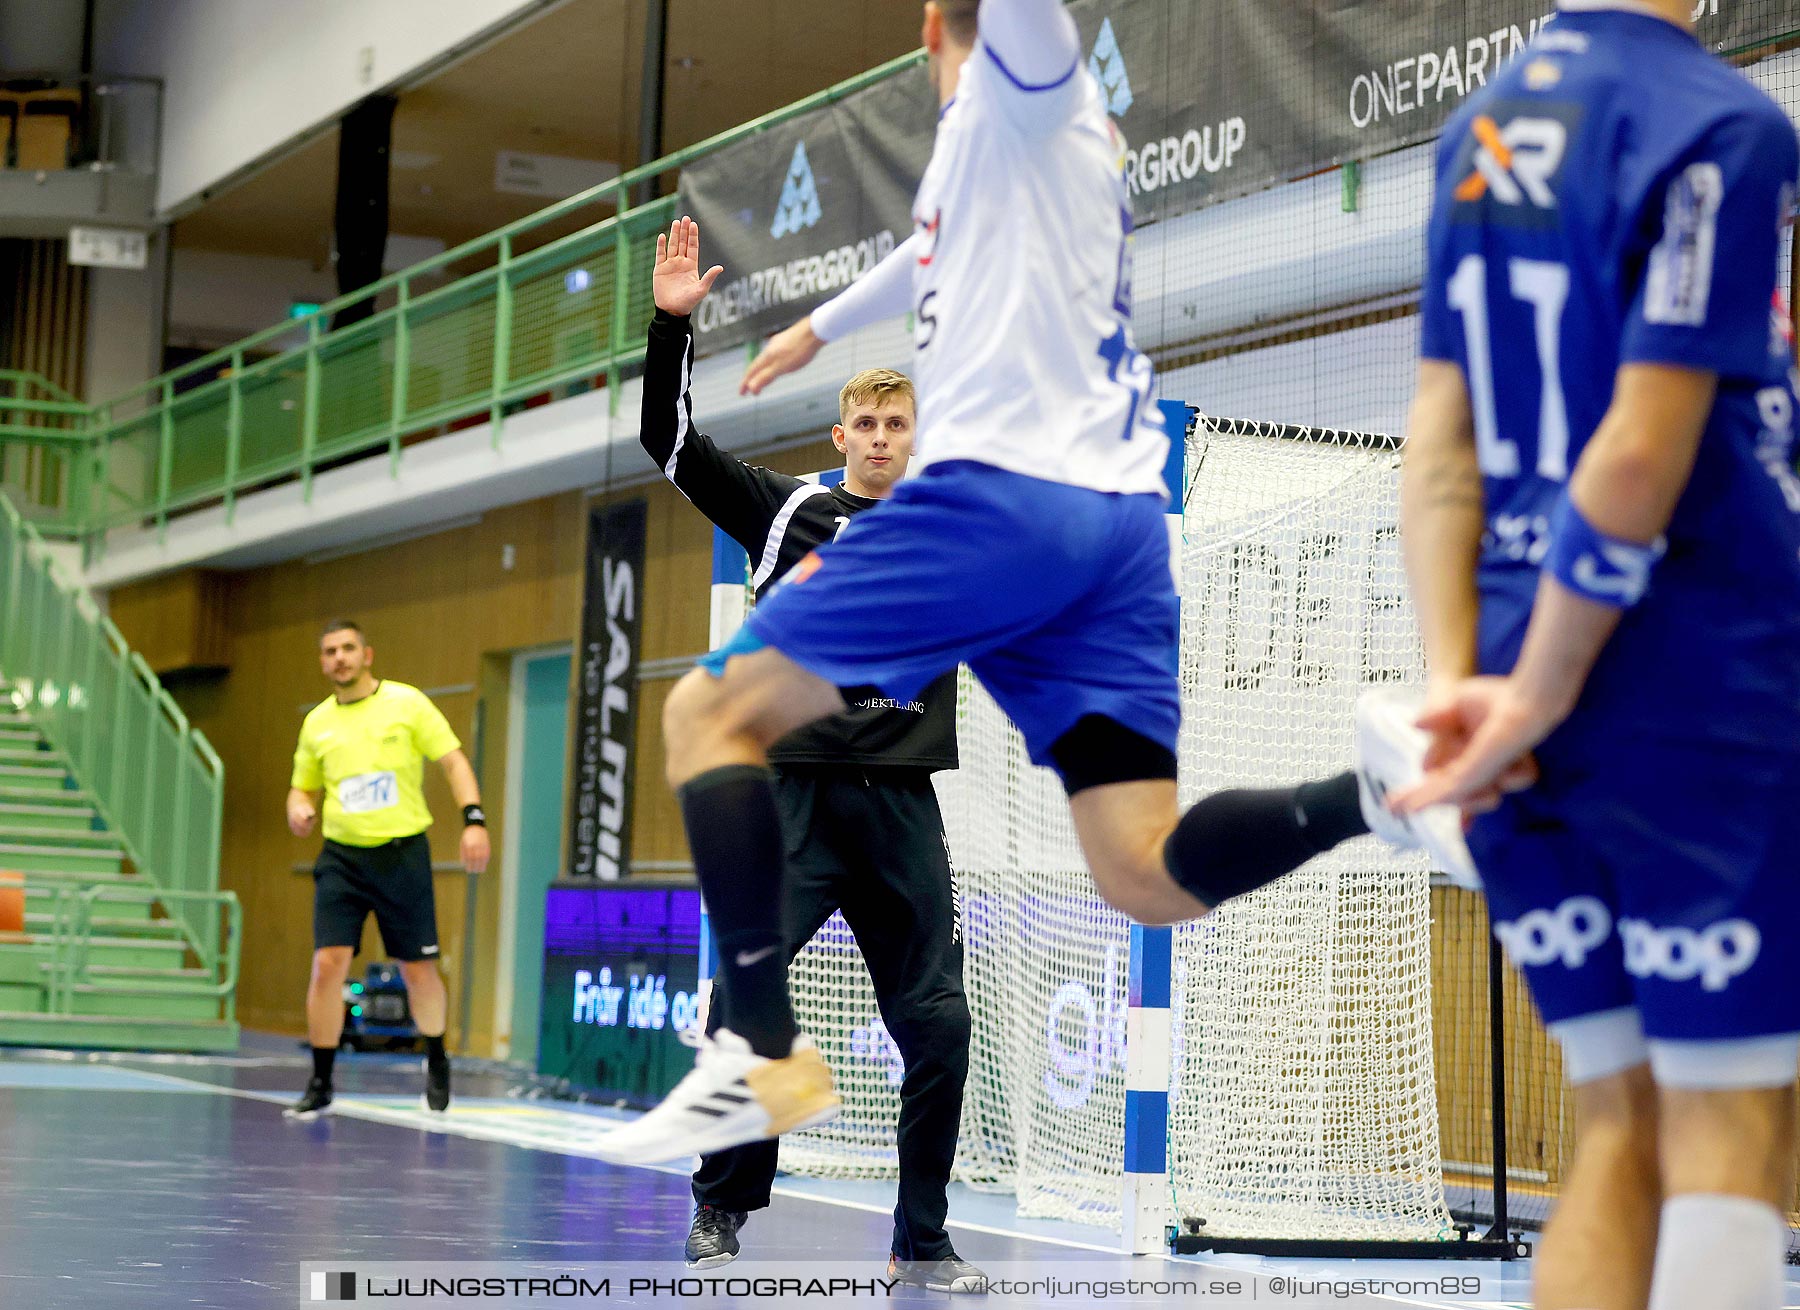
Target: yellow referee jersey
(369, 758)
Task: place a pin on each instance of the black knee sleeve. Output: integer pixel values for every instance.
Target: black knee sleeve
(1234, 842)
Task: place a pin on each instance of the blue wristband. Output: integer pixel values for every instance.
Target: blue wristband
(1597, 567)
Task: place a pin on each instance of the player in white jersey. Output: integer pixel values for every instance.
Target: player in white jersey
(1022, 298)
(1033, 547)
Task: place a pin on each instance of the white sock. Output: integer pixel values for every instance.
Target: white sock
(1721, 1252)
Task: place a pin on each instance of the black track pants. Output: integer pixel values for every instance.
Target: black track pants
(871, 843)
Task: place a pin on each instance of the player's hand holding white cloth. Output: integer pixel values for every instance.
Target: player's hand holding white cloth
(1483, 730)
(1390, 758)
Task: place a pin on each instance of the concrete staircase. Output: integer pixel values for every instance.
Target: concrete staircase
(102, 960)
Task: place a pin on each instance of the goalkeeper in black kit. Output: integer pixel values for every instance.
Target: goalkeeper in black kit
(860, 818)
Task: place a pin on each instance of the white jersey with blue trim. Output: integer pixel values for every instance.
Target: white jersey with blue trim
(1022, 283)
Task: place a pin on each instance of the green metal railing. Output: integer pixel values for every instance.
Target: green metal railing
(154, 779)
(528, 324)
(46, 444)
(72, 932)
(543, 313)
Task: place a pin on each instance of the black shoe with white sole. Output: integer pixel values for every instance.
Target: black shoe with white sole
(315, 1101)
(712, 1241)
(437, 1086)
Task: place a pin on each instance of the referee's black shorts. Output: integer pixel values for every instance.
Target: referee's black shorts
(391, 881)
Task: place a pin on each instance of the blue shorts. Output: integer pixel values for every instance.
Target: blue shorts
(1059, 598)
(1657, 875)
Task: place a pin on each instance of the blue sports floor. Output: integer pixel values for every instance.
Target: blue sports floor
(147, 1181)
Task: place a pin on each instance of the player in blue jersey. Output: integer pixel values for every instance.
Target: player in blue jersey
(1599, 505)
(1033, 547)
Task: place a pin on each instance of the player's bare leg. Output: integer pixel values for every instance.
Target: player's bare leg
(710, 722)
(425, 995)
(1159, 867)
(1597, 1252)
(325, 995)
(430, 1009)
(1123, 828)
(324, 1027)
(1728, 1173)
(756, 1077)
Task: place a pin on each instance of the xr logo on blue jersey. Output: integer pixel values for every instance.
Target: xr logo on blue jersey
(1511, 163)
(1516, 163)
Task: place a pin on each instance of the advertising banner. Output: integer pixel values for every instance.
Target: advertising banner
(1215, 100)
(606, 693)
(800, 211)
(621, 987)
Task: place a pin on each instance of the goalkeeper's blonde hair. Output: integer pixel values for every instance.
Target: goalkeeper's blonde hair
(876, 386)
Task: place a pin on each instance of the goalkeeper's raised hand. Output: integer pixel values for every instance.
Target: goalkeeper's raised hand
(677, 282)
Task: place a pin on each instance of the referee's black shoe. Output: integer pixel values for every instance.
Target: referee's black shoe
(313, 1103)
(951, 1274)
(712, 1241)
(437, 1086)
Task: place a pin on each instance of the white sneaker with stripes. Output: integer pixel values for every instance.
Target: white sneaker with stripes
(1390, 755)
(733, 1096)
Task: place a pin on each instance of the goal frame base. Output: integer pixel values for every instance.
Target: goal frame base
(1188, 1240)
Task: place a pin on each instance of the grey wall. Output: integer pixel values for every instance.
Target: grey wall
(41, 35)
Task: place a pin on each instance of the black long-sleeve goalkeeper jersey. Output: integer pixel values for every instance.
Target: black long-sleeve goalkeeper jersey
(779, 520)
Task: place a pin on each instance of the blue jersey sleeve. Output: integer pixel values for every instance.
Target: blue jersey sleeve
(1713, 225)
(1439, 334)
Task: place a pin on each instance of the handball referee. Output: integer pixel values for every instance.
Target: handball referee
(860, 817)
(362, 752)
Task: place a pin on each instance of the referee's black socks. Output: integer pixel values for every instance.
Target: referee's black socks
(1233, 842)
(734, 832)
(324, 1060)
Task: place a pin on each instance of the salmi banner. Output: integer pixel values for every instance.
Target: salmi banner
(1214, 100)
(606, 692)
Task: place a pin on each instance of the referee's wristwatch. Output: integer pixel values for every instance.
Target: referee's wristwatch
(473, 817)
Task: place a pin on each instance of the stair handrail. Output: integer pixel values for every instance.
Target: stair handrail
(15, 376)
(174, 848)
(63, 910)
(222, 959)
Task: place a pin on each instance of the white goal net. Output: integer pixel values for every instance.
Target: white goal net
(1303, 1101)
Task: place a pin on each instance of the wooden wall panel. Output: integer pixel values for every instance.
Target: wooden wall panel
(43, 312)
(178, 621)
(43, 330)
(1539, 1120)
(492, 684)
